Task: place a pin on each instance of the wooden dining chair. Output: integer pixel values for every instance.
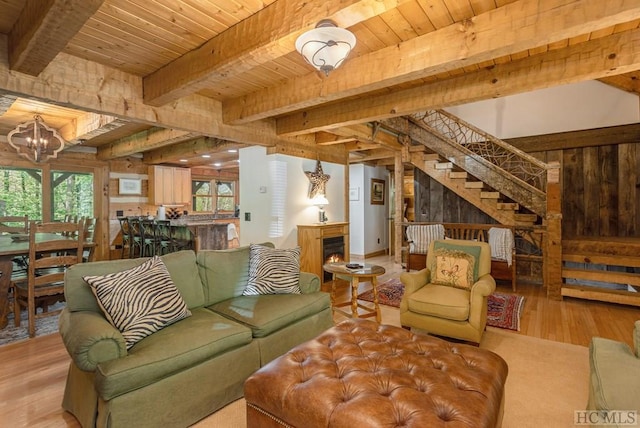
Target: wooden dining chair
(53, 247)
(16, 225)
(89, 238)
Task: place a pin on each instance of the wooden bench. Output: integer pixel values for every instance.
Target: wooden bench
(500, 269)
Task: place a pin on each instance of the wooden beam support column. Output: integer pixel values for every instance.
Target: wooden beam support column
(552, 257)
(398, 177)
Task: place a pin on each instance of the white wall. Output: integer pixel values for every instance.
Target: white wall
(356, 209)
(274, 190)
(577, 106)
(369, 229)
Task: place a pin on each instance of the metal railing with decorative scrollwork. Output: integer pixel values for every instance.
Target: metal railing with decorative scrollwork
(514, 161)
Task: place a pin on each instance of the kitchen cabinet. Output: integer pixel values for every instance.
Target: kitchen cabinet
(169, 185)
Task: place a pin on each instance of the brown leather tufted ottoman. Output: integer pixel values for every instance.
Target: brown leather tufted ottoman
(363, 374)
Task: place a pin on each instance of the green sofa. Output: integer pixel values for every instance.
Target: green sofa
(614, 380)
(191, 368)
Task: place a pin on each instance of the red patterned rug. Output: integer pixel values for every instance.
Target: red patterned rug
(504, 309)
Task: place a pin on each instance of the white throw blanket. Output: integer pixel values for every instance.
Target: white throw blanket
(421, 235)
(232, 232)
(501, 242)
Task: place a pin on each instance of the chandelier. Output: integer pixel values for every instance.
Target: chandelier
(326, 46)
(36, 141)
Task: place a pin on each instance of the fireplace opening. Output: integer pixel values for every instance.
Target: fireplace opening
(332, 251)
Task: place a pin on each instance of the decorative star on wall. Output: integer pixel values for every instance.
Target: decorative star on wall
(317, 180)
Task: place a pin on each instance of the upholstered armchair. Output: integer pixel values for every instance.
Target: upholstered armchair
(449, 297)
(614, 379)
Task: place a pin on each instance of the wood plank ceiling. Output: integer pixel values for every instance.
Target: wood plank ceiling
(177, 79)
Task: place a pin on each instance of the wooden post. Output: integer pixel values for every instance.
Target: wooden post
(399, 197)
(552, 257)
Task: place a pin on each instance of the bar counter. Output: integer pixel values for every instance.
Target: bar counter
(208, 234)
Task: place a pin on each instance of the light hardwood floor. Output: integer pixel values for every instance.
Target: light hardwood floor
(33, 372)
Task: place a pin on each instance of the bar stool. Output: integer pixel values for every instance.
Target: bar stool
(135, 234)
(125, 231)
(148, 232)
(164, 241)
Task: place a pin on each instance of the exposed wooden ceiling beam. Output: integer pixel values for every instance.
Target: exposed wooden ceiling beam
(623, 134)
(88, 126)
(262, 37)
(374, 155)
(361, 145)
(594, 59)
(514, 28)
(629, 82)
(43, 29)
(84, 85)
(143, 141)
(327, 139)
(335, 154)
(6, 101)
(196, 147)
(364, 132)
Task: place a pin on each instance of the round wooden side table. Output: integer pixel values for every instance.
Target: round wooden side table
(365, 272)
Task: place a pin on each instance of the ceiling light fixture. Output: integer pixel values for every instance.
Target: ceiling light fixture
(36, 141)
(326, 46)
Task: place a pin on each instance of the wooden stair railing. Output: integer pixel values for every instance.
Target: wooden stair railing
(501, 166)
(524, 179)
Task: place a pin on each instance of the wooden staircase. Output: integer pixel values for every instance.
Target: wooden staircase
(502, 181)
(509, 185)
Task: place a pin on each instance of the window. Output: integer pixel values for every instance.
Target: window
(213, 195)
(202, 195)
(72, 194)
(226, 197)
(21, 193)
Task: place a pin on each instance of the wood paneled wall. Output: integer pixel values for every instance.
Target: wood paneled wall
(435, 203)
(600, 191)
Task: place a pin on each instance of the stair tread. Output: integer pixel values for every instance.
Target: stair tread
(458, 174)
(474, 184)
(444, 165)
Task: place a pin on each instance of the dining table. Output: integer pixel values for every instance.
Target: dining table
(12, 246)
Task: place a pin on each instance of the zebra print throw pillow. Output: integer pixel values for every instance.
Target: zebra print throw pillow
(139, 301)
(273, 271)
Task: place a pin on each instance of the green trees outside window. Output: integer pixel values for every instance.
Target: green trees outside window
(21, 193)
(213, 195)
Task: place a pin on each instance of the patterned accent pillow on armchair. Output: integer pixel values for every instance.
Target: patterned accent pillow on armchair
(455, 265)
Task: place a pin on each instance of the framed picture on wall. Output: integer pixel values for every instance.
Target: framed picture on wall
(130, 186)
(377, 191)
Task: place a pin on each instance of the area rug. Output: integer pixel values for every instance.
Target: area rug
(504, 310)
(46, 325)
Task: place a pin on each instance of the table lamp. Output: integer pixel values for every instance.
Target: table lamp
(320, 201)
